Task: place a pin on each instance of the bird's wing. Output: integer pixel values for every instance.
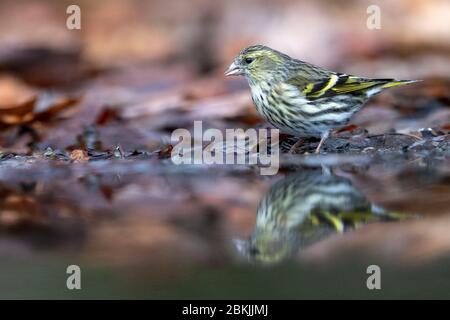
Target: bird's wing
(338, 83)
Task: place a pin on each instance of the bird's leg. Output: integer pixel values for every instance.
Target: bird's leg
(296, 145)
(324, 137)
(326, 171)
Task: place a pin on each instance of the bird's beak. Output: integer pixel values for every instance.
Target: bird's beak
(233, 70)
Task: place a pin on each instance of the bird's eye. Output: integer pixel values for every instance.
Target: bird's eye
(248, 60)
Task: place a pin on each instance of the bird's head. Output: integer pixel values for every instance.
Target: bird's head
(257, 63)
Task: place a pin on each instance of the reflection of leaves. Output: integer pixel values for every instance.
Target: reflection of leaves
(23, 214)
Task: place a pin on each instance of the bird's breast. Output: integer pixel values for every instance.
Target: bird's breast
(280, 107)
(259, 95)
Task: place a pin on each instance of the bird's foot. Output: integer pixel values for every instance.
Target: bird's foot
(324, 137)
(317, 151)
(296, 145)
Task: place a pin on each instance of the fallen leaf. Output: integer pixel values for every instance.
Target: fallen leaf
(17, 101)
(79, 155)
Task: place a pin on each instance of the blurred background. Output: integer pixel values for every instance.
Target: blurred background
(85, 121)
(413, 38)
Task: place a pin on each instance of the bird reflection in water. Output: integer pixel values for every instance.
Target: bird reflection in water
(305, 208)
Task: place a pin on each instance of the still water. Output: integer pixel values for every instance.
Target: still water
(139, 229)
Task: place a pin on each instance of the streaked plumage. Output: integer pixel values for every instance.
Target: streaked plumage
(303, 209)
(302, 99)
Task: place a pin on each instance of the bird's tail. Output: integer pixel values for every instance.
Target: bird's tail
(378, 85)
(389, 83)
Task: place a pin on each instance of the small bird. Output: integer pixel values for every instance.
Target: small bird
(302, 99)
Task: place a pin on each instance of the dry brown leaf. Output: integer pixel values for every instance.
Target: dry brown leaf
(54, 106)
(17, 101)
(79, 155)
